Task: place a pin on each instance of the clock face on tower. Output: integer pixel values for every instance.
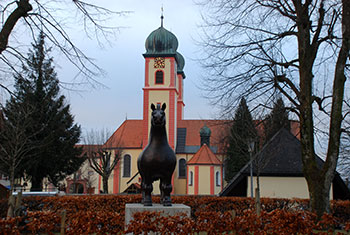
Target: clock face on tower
(159, 62)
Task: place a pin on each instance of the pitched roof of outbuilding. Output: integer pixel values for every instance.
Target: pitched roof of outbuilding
(281, 156)
(204, 156)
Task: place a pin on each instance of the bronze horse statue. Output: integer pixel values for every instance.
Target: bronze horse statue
(157, 161)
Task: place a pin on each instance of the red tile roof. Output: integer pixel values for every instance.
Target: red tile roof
(204, 156)
(88, 149)
(128, 135)
(219, 130)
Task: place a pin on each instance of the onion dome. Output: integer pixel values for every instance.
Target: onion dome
(180, 64)
(161, 42)
(205, 131)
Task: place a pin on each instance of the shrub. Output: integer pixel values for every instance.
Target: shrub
(104, 214)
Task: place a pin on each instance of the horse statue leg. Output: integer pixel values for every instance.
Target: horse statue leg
(147, 188)
(142, 191)
(161, 191)
(165, 189)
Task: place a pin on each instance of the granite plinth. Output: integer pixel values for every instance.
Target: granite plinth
(131, 209)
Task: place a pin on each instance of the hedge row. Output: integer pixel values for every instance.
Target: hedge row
(278, 221)
(105, 214)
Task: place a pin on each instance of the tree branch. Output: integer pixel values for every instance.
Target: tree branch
(23, 7)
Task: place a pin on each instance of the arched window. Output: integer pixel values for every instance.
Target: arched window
(127, 165)
(217, 179)
(190, 180)
(159, 77)
(182, 168)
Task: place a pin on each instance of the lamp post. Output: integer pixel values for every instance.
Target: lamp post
(251, 144)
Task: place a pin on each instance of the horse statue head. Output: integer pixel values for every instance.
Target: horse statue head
(158, 115)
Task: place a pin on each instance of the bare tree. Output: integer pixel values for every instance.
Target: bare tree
(23, 19)
(299, 48)
(15, 147)
(100, 158)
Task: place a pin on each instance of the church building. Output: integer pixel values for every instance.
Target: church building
(197, 143)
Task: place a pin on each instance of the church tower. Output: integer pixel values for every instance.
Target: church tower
(163, 81)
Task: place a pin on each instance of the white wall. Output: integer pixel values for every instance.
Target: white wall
(282, 187)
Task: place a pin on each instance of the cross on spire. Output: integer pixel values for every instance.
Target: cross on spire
(161, 17)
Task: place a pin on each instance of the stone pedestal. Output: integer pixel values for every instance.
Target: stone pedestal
(175, 209)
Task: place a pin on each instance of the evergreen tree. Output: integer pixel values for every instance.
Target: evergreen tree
(242, 133)
(55, 132)
(277, 119)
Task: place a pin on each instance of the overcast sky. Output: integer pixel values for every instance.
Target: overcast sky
(124, 64)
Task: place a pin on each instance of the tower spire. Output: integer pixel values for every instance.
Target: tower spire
(161, 17)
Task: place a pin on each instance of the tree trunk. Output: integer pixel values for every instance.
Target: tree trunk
(307, 52)
(321, 180)
(257, 201)
(319, 197)
(11, 206)
(12, 178)
(105, 184)
(257, 189)
(17, 211)
(11, 200)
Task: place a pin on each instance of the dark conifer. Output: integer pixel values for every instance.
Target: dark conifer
(277, 119)
(241, 134)
(55, 132)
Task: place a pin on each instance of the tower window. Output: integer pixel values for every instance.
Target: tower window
(159, 77)
(182, 168)
(127, 165)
